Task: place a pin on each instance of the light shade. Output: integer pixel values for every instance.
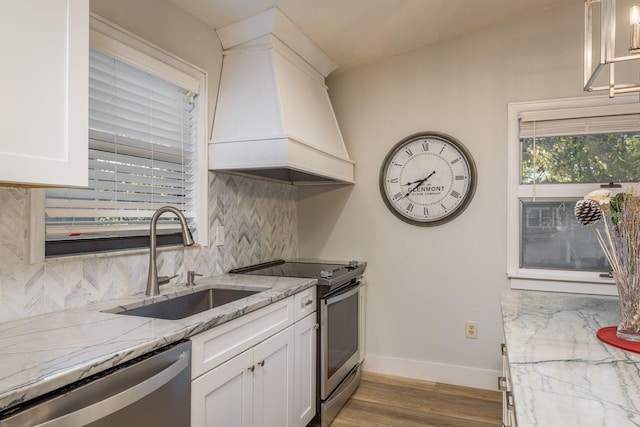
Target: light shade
(606, 47)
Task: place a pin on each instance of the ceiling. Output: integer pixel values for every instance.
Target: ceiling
(358, 32)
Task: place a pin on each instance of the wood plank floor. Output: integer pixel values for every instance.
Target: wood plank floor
(383, 400)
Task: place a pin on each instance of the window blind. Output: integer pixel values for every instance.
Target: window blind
(142, 155)
(580, 126)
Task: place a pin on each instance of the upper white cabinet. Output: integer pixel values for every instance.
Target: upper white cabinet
(43, 92)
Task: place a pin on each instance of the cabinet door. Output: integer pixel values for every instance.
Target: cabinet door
(504, 384)
(44, 92)
(304, 392)
(273, 380)
(224, 396)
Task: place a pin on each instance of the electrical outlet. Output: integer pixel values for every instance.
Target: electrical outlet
(471, 329)
(220, 235)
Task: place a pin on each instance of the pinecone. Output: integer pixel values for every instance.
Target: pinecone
(587, 211)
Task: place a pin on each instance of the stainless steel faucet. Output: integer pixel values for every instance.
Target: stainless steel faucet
(153, 282)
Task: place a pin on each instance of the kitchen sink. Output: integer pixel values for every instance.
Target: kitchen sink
(187, 305)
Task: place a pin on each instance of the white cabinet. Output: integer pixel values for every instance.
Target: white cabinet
(224, 395)
(274, 377)
(44, 92)
(504, 384)
(252, 389)
(304, 406)
(258, 369)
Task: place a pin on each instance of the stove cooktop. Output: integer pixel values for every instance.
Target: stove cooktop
(328, 273)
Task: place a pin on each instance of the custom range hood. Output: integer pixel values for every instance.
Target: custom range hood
(273, 118)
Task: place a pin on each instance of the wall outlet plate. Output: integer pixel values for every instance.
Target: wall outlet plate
(220, 235)
(471, 329)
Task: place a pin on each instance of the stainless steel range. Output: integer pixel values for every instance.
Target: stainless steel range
(338, 320)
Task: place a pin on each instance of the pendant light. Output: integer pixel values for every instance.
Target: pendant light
(606, 47)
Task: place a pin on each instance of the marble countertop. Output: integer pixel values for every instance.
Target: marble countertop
(562, 375)
(42, 353)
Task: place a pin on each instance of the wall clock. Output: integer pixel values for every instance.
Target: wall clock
(428, 179)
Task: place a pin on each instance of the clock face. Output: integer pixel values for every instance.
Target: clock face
(428, 179)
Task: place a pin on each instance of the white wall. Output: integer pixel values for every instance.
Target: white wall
(424, 282)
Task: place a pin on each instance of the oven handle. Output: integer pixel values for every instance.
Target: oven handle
(343, 294)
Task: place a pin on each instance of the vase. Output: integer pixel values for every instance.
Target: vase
(629, 294)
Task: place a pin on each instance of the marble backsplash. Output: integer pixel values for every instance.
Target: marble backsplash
(260, 221)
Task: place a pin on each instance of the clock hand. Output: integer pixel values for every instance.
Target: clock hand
(420, 180)
(419, 183)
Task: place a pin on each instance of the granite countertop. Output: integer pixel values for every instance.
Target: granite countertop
(42, 353)
(562, 375)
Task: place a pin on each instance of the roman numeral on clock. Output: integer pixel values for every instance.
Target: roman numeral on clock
(460, 177)
(408, 151)
(393, 181)
(410, 207)
(397, 196)
(425, 146)
(455, 194)
(453, 162)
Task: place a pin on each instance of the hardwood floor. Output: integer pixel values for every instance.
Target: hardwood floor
(383, 400)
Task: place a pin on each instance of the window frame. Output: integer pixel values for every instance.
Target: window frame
(125, 46)
(541, 279)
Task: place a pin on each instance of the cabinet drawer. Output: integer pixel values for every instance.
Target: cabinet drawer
(213, 347)
(305, 303)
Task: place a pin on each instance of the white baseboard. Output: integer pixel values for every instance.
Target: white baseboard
(429, 371)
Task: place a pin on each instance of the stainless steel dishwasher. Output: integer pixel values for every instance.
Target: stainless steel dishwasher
(152, 390)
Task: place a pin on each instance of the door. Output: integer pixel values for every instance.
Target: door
(274, 376)
(44, 92)
(304, 394)
(224, 396)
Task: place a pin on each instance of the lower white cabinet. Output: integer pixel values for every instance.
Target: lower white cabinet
(224, 395)
(254, 388)
(270, 384)
(504, 384)
(273, 380)
(304, 396)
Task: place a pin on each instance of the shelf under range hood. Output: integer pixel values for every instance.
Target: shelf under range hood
(273, 117)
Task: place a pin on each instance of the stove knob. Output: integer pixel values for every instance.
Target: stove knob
(353, 264)
(325, 274)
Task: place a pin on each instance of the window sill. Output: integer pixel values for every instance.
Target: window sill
(521, 282)
(118, 253)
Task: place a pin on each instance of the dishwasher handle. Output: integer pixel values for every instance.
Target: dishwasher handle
(121, 400)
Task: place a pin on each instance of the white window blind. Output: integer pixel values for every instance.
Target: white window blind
(578, 126)
(142, 155)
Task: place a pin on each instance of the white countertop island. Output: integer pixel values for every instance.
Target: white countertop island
(562, 374)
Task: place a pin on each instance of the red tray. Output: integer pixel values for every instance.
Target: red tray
(608, 335)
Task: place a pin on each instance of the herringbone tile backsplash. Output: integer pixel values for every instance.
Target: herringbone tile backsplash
(260, 222)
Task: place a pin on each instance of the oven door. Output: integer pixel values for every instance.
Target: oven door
(339, 350)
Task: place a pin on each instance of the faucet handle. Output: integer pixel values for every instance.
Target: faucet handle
(163, 280)
(191, 277)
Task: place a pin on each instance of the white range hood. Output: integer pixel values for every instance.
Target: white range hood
(273, 117)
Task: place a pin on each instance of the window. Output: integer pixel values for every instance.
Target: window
(147, 130)
(559, 151)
